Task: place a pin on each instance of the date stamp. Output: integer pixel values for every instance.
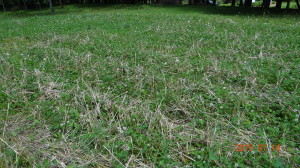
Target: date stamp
(259, 147)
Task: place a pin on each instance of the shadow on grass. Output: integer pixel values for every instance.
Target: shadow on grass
(204, 9)
(228, 10)
(37, 12)
(201, 9)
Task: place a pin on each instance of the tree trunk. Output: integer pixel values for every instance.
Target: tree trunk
(297, 2)
(214, 2)
(168, 2)
(248, 3)
(24, 3)
(39, 3)
(3, 6)
(241, 3)
(233, 3)
(62, 3)
(288, 4)
(266, 4)
(51, 6)
(278, 4)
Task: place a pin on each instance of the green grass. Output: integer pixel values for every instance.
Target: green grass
(149, 86)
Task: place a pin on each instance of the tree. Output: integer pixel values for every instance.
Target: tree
(3, 6)
(24, 3)
(266, 4)
(288, 4)
(39, 3)
(278, 4)
(62, 3)
(248, 3)
(233, 3)
(51, 5)
(169, 2)
(298, 5)
(241, 3)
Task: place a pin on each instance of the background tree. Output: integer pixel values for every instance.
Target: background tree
(214, 2)
(3, 6)
(298, 5)
(29, 4)
(233, 3)
(62, 3)
(278, 4)
(241, 3)
(51, 5)
(25, 5)
(248, 3)
(169, 2)
(39, 3)
(288, 2)
(266, 4)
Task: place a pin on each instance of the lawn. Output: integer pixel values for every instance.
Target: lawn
(149, 86)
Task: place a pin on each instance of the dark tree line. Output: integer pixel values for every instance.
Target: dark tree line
(33, 3)
(265, 4)
(25, 4)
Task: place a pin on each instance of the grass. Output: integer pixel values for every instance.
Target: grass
(149, 86)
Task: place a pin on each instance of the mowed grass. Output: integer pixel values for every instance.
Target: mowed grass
(149, 86)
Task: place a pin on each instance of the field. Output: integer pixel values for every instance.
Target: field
(149, 86)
